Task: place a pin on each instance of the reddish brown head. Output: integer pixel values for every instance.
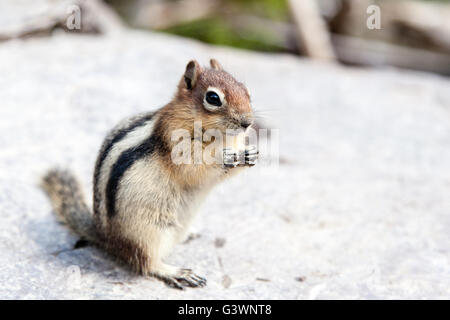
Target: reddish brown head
(219, 100)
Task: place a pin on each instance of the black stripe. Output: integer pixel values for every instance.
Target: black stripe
(125, 161)
(107, 148)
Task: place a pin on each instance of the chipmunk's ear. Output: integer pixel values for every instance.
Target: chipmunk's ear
(193, 69)
(215, 64)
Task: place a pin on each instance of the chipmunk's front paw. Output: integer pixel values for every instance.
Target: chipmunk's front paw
(230, 158)
(251, 155)
(248, 157)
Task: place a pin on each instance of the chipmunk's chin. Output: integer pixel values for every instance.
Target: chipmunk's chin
(234, 131)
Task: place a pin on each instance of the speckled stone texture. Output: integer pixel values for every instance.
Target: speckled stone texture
(358, 208)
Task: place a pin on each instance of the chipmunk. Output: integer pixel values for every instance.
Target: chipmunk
(144, 202)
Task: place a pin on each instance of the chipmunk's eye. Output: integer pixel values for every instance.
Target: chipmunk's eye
(213, 99)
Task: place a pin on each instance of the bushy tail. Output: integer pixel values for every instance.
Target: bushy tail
(68, 202)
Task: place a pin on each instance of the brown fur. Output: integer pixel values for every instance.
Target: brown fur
(187, 107)
(155, 198)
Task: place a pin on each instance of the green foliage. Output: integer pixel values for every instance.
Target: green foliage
(217, 31)
(272, 9)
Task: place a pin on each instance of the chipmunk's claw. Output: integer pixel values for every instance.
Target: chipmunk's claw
(251, 155)
(184, 278)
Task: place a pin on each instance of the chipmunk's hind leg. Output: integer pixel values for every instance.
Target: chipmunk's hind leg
(161, 245)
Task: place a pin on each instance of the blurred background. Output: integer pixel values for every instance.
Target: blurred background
(413, 34)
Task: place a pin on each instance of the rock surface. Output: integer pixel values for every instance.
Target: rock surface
(358, 208)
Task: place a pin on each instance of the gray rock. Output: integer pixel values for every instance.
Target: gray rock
(358, 208)
(22, 19)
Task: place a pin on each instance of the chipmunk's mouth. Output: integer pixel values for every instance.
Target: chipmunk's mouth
(235, 127)
(234, 132)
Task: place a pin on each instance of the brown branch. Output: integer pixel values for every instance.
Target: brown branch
(312, 31)
(162, 14)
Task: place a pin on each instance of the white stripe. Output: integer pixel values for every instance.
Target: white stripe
(132, 139)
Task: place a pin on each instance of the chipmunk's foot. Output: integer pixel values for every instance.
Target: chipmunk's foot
(188, 278)
(181, 279)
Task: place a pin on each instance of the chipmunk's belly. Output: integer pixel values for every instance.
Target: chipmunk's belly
(148, 201)
(147, 189)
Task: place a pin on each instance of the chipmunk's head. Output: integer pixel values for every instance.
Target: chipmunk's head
(220, 101)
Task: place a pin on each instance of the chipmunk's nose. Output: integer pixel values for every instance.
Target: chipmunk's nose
(246, 123)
